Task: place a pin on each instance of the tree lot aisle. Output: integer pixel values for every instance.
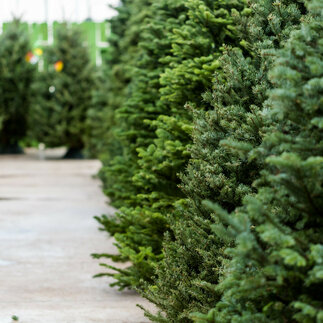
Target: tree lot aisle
(47, 235)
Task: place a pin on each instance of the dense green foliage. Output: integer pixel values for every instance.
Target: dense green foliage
(63, 94)
(222, 168)
(145, 31)
(207, 117)
(16, 76)
(179, 40)
(101, 139)
(275, 274)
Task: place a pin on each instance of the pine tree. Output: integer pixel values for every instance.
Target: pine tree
(191, 43)
(196, 46)
(101, 139)
(138, 239)
(96, 123)
(16, 77)
(222, 167)
(116, 175)
(275, 274)
(63, 93)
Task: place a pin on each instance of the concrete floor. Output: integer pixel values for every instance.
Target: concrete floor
(47, 234)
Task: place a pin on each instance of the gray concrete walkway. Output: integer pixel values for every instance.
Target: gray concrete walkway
(47, 234)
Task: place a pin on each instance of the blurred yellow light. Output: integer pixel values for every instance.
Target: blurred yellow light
(59, 65)
(38, 51)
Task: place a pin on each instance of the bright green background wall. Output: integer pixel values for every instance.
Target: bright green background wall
(95, 34)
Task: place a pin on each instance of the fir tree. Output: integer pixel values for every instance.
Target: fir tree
(138, 238)
(97, 123)
(275, 274)
(222, 168)
(16, 77)
(194, 31)
(116, 175)
(63, 93)
(114, 76)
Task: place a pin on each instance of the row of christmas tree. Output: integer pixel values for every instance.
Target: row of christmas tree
(207, 117)
(209, 125)
(45, 95)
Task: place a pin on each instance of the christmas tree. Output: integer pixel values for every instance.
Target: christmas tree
(16, 77)
(63, 93)
(194, 31)
(137, 239)
(126, 31)
(275, 274)
(101, 139)
(222, 168)
(97, 125)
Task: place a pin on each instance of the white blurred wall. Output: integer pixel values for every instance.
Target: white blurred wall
(72, 10)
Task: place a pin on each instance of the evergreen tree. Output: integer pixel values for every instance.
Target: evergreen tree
(116, 175)
(275, 274)
(97, 125)
(147, 24)
(16, 77)
(222, 167)
(101, 139)
(184, 36)
(63, 93)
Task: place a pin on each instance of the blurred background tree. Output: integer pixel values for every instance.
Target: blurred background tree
(63, 93)
(113, 76)
(16, 77)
